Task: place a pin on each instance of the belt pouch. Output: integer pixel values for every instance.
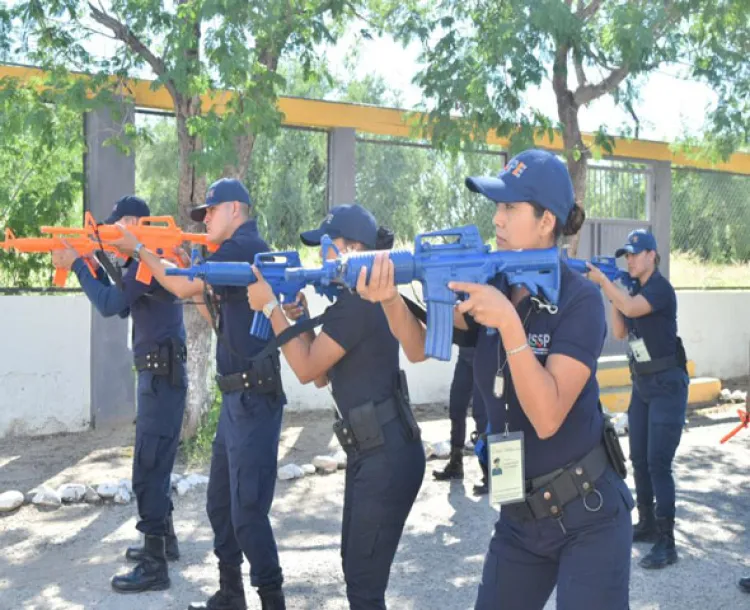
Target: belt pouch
(343, 432)
(365, 426)
(613, 448)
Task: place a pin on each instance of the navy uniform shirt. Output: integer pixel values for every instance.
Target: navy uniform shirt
(369, 370)
(156, 313)
(659, 328)
(236, 345)
(577, 330)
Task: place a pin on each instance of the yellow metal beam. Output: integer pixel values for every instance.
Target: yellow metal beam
(319, 114)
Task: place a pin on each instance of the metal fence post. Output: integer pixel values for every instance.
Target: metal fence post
(342, 166)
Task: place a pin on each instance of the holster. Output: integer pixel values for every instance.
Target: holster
(264, 377)
(164, 360)
(614, 450)
(362, 428)
(407, 415)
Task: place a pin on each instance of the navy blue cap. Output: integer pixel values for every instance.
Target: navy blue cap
(638, 241)
(130, 205)
(533, 175)
(221, 191)
(349, 221)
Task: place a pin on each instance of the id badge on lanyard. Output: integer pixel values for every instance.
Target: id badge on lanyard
(639, 350)
(506, 468)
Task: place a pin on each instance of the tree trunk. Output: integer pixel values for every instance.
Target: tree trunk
(577, 156)
(191, 192)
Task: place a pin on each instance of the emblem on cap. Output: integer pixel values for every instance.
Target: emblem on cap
(515, 167)
(635, 239)
(210, 193)
(328, 218)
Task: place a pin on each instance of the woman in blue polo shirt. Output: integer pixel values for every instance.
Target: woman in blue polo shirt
(647, 317)
(566, 522)
(356, 352)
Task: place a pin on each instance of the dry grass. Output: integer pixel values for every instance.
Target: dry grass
(686, 271)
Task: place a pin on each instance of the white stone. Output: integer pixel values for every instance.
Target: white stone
(725, 395)
(10, 500)
(340, 457)
(127, 484)
(442, 449)
(175, 478)
(122, 496)
(429, 451)
(29, 495)
(90, 496)
(739, 396)
(290, 471)
(325, 464)
(183, 487)
(197, 479)
(71, 492)
(107, 490)
(47, 497)
(308, 469)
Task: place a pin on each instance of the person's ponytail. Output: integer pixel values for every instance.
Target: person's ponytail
(385, 239)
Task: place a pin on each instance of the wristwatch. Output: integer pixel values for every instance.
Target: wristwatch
(269, 307)
(137, 250)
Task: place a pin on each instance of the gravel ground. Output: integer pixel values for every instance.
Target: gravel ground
(64, 558)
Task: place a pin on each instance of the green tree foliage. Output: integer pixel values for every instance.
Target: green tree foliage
(480, 58)
(41, 182)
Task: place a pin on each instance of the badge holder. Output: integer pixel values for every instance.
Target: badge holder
(505, 468)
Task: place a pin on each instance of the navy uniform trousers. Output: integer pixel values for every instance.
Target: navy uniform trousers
(242, 483)
(161, 407)
(381, 486)
(585, 554)
(656, 416)
(462, 390)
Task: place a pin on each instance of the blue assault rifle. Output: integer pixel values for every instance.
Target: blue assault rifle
(606, 264)
(271, 265)
(462, 257)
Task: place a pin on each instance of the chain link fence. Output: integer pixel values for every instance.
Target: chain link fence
(617, 191)
(710, 229)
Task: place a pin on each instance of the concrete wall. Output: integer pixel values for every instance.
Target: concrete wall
(715, 329)
(44, 364)
(46, 380)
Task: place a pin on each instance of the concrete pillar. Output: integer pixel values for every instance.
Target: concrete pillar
(342, 170)
(660, 211)
(109, 176)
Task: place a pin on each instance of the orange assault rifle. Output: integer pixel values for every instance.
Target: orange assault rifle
(82, 245)
(160, 234)
(161, 240)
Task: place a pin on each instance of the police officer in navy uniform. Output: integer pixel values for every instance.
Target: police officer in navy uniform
(159, 354)
(244, 458)
(463, 391)
(565, 521)
(357, 353)
(647, 317)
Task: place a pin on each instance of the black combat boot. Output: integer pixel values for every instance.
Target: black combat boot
(150, 574)
(663, 553)
(455, 467)
(744, 584)
(231, 593)
(645, 530)
(271, 598)
(135, 553)
(482, 488)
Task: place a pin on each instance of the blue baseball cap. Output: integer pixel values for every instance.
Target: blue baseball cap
(221, 191)
(130, 205)
(534, 175)
(638, 241)
(349, 221)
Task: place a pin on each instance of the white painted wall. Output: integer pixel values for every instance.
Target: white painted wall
(715, 328)
(45, 365)
(45, 360)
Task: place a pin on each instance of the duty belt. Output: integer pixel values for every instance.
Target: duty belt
(547, 494)
(159, 359)
(653, 366)
(262, 379)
